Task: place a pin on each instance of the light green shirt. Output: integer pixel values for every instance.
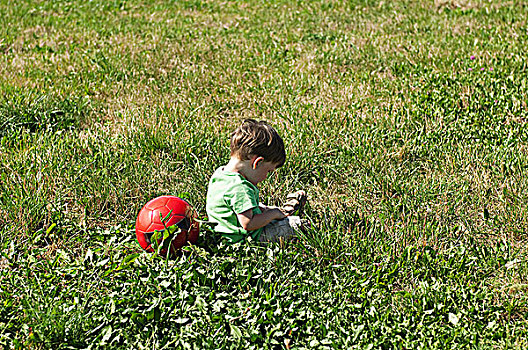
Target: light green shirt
(230, 194)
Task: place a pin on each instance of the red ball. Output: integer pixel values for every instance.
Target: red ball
(181, 215)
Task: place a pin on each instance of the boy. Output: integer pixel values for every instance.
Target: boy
(232, 196)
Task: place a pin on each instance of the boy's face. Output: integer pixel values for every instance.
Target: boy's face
(260, 170)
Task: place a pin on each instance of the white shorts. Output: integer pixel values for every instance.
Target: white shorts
(284, 228)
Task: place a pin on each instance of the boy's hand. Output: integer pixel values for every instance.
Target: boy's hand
(265, 208)
(295, 202)
(281, 214)
(250, 222)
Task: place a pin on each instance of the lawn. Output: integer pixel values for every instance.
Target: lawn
(406, 122)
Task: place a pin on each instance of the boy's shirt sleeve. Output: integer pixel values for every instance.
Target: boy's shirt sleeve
(229, 194)
(241, 198)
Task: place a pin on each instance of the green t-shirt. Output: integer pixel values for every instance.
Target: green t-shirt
(230, 194)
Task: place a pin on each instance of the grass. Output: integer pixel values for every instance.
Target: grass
(405, 121)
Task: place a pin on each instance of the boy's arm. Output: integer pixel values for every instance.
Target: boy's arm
(250, 222)
(264, 208)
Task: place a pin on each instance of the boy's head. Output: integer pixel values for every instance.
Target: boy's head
(258, 138)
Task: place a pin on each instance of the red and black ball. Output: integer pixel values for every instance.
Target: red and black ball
(175, 211)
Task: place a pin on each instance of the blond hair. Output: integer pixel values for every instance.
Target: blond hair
(260, 139)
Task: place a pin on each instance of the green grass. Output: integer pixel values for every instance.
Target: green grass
(405, 121)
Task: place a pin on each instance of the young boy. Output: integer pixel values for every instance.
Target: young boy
(233, 197)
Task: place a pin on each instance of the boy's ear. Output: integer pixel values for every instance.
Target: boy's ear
(256, 161)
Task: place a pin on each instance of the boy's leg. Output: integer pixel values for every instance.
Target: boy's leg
(285, 228)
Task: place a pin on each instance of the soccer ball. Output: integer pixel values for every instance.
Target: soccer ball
(178, 217)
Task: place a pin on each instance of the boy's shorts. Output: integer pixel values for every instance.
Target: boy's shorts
(284, 228)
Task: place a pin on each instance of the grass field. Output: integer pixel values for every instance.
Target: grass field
(405, 122)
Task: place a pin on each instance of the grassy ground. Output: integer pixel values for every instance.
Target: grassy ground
(405, 121)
